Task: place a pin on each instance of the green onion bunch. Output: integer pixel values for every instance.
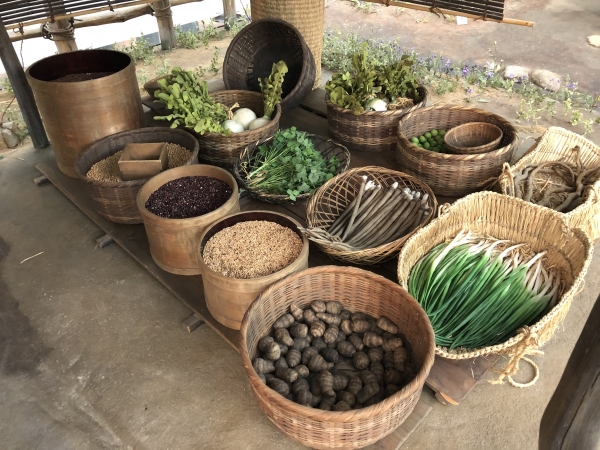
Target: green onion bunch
(478, 292)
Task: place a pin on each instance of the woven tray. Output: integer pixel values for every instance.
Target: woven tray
(357, 290)
(326, 147)
(223, 150)
(331, 199)
(116, 201)
(452, 175)
(371, 131)
(488, 213)
(557, 144)
(253, 51)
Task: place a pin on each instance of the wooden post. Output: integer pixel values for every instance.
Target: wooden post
(22, 90)
(63, 35)
(164, 17)
(229, 13)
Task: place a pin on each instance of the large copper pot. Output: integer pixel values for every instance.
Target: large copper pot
(78, 113)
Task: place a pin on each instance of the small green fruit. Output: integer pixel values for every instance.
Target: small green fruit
(434, 132)
(442, 132)
(426, 145)
(422, 139)
(428, 135)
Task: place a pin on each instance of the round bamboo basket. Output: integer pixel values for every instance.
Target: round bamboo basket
(221, 150)
(326, 147)
(472, 138)
(491, 214)
(371, 131)
(174, 242)
(308, 16)
(331, 199)
(557, 144)
(116, 201)
(359, 291)
(452, 175)
(228, 298)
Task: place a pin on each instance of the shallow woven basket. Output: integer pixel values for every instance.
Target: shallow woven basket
(371, 131)
(331, 199)
(116, 201)
(452, 175)
(472, 138)
(308, 16)
(557, 144)
(488, 213)
(359, 291)
(253, 51)
(326, 147)
(221, 150)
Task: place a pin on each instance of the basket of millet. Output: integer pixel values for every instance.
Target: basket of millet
(98, 168)
(336, 356)
(242, 254)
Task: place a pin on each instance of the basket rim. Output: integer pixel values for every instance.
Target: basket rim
(567, 296)
(339, 416)
(390, 246)
(131, 183)
(282, 197)
(477, 148)
(394, 112)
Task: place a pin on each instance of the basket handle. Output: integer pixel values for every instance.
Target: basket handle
(444, 209)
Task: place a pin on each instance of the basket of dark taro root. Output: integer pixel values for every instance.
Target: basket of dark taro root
(336, 356)
(364, 215)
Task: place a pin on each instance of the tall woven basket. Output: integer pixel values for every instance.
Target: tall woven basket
(452, 175)
(308, 16)
(116, 201)
(358, 291)
(371, 131)
(488, 213)
(557, 144)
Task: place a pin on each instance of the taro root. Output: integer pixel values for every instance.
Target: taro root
(345, 315)
(366, 393)
(302, 371)
(330, 355)
(386, 324)
(368, 377)
(283, 349)
(286, 374)
(317, 328)
(331, 334)
(377, 368)
(340, 382)
(360, 326)
(317, 364)
(375, 354)
(346, 326)
(326, 382)
(327, 403)
(361, 360)
(357, 341)
(300, 343)
(331, 319)
(371, 339)
(298, 314)
(284, 321)
(390, 344)
(346, 349)
(400, 355)
(293, 358)
(342, 406)
(388, 360)
(279, 386)
(319, 343)
(281, 362)
(283, 335)
(298, 330)
(354, 385)
(318, 306)
(310, 316)
(308, 354)
(334, 307)
(263, 366)
(346, 396)
(392, 376)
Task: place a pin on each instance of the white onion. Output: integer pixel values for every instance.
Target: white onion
(232, 125)
(377, 104)
(260, 122)
(244, 117)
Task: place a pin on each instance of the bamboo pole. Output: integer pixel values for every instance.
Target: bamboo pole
(229, 13)
(63, 35)
(164, 18)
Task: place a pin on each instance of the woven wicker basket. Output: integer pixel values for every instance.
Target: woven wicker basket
(331, 199)
(371, 131)
(472, 138)
(116, 201)
(357, 290)
(308, 16)
(557, 144)
(223, 150)
(488, 213)
(255, 49)
(326, 147)
(452, 175)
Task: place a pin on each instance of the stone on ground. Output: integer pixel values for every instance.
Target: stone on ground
(594, 40)
(516, 73)
(546, 79)
(10, 138)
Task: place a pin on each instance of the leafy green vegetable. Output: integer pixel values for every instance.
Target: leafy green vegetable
(288, 164)
(191, 106)
(271, 87)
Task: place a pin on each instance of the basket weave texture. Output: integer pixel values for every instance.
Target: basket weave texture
(253, 51)
(331, 199)
(326, 147)
(308, 16)
(357, 290)
(472, 138)
(502, 217)
(371, 131)
(557, 144)
(116, 201)
(221, 150)
(452, 175)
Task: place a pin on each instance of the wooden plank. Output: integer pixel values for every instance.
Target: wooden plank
(192, 323)
(104, 241)
(41, 181)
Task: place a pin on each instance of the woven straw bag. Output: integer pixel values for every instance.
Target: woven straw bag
(331, 199)
(359, 291)
(488, 213)
(557, 144)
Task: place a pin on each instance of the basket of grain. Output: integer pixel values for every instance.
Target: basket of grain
(361, 386)
(509, 243)
(98, 168)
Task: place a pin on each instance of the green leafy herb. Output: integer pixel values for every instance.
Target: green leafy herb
(288, 164)
(190, 105)
(271, 87)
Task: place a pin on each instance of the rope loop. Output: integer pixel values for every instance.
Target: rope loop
(60, 34)
(529, 345)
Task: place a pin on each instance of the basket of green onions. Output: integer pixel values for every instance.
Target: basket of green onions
(495, 275)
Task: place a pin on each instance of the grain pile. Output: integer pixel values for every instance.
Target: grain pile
(252, 249)
(107, 169)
